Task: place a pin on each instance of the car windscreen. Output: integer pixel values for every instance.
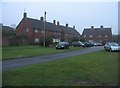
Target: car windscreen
(61, 43)
(114, 44)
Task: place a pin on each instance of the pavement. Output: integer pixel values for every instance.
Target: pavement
(15, 63)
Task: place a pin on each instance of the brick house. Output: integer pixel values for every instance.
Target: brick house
(116, 38)
(34, 29)
(101, 34)
(8, 36)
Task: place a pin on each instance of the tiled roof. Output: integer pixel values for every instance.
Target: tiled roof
(69, 30)
(51, 27)
(40, 25)
(97, 31)
(7, 31)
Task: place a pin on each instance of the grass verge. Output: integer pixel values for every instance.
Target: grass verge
(93, 69)
(12, 52)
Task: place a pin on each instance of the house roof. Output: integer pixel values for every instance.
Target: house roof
(7, 31)
(69, 30)
(40, 25)
(97, 31)
(51, 27)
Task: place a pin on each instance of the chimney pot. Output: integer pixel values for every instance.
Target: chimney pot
(92, 26)
(25, 15)
(74, 27)
(54, 22)
(58, 23)
(66, 25)
(41, 18)
(101, 26)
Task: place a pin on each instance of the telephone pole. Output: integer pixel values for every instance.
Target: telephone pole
(44, 42)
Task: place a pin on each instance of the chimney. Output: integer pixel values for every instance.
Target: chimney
(101, 26)
(25, 15)
(58, 23)
(41, 18)
(54, 22)
(66, 25)
(92, 26)
(74, 27)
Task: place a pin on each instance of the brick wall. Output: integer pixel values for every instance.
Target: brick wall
(22, 30)
(5, 41)
(101, 39)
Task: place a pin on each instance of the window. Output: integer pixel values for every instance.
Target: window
(55, 33)
(36, 40)
(27, 30)
(66, 34)
(84, 35)
(90, 35)
(106, 36)
(99, 36)
(58, 33)
(36, 30)
(100, 40)
(42, 31)
(56, 40)
(90, 40)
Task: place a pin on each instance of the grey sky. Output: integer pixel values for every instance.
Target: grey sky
(80, 14)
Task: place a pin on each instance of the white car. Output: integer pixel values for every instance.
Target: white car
(111, 46)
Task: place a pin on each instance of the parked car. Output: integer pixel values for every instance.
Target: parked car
(88, 44)
(63, 45)
(97, 44)
(78, 44)
(111, 46)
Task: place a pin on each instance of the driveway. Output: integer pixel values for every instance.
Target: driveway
(11, 64)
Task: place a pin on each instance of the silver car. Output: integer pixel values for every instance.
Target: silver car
(111, 46)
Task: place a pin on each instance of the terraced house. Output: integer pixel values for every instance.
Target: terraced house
(101, 34)
(34, 30)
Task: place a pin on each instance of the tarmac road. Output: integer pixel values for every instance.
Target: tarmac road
(14, 63)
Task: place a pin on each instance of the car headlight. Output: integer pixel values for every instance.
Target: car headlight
(62, 46)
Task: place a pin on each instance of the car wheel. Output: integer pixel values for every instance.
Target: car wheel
(110, 50)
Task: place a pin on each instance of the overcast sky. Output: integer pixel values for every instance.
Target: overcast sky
(80, 14)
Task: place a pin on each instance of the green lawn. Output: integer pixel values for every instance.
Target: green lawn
(98, 68)
(26, 51)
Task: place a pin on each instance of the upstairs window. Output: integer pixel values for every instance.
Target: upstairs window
(66, 34)
(106, 36)
(99, 36)
(36, 30)
(84, 35)
(27, 30)
(91, 36)
(55, 33)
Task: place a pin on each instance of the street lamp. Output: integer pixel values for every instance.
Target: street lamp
(44, 28)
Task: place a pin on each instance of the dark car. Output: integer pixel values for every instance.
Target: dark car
(78, 44)
(63, 45)
(88, 44)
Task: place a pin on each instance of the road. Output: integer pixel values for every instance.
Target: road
(14, 63)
